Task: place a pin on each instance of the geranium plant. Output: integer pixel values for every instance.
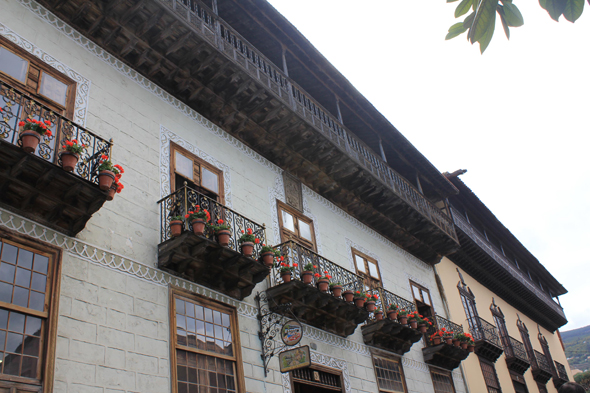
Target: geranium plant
(284, 268)
(335, 284)
(40, 127)
(326, 276)
(402, 313)
(266, 248)
(249, 237)
(198, 213)
(220, 226)
(74, 146)
(393, 307)
(309, 267)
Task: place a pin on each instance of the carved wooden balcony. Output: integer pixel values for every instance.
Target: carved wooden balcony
(386, 333)
(306, 302)
(200, 258)
(516, 356)
(193, 54)
(444, 355)
(35, 185)
(560, 377)
(487, 339)
(541, 368)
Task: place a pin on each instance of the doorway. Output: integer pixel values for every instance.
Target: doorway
(316, 379)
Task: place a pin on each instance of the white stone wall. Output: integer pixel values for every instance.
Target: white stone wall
(113, 331)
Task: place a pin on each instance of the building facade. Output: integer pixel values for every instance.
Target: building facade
(100, 296)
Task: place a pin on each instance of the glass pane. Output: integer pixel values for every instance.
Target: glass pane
(32, 346)
(3, 320)
(184, 165)
(25, 259)
(288, 222)
(11, 364)
(17, 322)
(29, 367)
(21, 297)
(305, 230)
(373, 269)
(13, 65)
(360, 263)
(37, 301)
(53, 89)
(41, 263)
(210, 180)
(39, 282)
(426, 297)
(9, 253)
(23, 277)
(7, 272)
(5, 292)
(14, 342)
(416, 291)
(33, 326)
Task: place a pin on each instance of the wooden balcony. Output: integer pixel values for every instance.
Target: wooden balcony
(516, 356)
(389, 334)
(193, 54)
(35, 185)
(541, 368)
(444, 355)
(202, 259)
(306, 302)
(560, 377)
(487, 339)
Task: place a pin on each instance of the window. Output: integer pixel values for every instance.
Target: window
(500, 324)
(296, 226)
(442, 381)
(524, 334)
(44, 83)
(28, 287)
(489, 375)
(367, 268)
(199, 175)
(422, 299)
(390, 376)
(206, 348)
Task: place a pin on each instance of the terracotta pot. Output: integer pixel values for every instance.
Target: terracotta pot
(359, 301)
(348, 295)
(69, 161)
(436, 341)
(323, 285)
(268, 258)
(336, 290)
(223, 237)
(392, 315)
(105, 179)
(370, 305)
(403, 320)
(471, 348)
(422, 328)
(449, 341)
(456, 343)
(175, 228)
(30, 140)
(247, 248)
(379, 315)
(307, 277)
(198, 226)
(286, 276)
(463, 345)
(414, 324)
(111, 192)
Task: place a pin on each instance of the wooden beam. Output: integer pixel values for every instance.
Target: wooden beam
(132, 12)
(179, 44)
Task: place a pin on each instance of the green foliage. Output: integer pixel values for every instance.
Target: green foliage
(481, 22)
(583, 379)
(577, 347)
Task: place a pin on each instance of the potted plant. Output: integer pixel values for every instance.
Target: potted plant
(71, 154)
(268, 255)
(392, 312)
(30, 135)
(307, 274)
(286, 271)
(413, 319)
(247, 241)
(378, 314)
(116, 187)
(360, 298)
(463, 339)
(448, 336)
(436, 337)
(370, 303)
(107, 172)
(222, 232)
(175, 225)
(471, 345)
(423, 324)
(323, 282)
(348, 295)
(199, 218)
(336, 289)
(402, 317)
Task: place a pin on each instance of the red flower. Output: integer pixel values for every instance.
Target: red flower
(317, 275)
(358, 292)
(220, 221)
(315, 267)
(263, 245)
(49, 124)
(186, 216)
(48, 133)
(104, 157)
(256, 240)
(21, 124)
(242, 231)
(282, 258)
(119, 168)
(249, 231)
(120, 187)
(295, 264)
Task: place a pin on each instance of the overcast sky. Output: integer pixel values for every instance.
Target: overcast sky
(516, 117)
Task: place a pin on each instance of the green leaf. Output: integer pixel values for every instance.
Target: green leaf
(503, 19)
(513, 16)
(476, 4)
(485, 17)
(573, 10)
(468, 22)
(455, 30)
(554, 7)
(463, 8)
(484, 41)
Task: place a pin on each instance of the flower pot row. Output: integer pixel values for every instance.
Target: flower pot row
(463, 340)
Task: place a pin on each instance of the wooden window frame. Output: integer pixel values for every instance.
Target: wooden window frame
(326, 369)
(441, 372)
(202, 164)
(287, 234)
(68, 109)
(387, 357)
(367, 276)
(495, 374)
(52, 295)
(176, 292)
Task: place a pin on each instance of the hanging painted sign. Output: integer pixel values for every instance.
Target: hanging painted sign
(292, 332)
(294, 358)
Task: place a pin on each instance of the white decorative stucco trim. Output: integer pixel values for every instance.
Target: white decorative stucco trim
(324, 360)
(82, 83)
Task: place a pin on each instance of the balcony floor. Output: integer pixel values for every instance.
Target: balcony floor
(390, 335)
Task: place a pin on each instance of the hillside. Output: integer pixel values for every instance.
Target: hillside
(577, 347)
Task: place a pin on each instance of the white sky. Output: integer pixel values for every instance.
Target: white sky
(514, 117)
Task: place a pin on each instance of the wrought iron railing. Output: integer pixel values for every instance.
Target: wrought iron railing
(438, 323)
(16, 106)
(561, 373)
(499, 257)
(186, 199)
(298, 256)
(483, 330)
(515, 349)
(542, 362)
(386, 299)
(221, 34)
